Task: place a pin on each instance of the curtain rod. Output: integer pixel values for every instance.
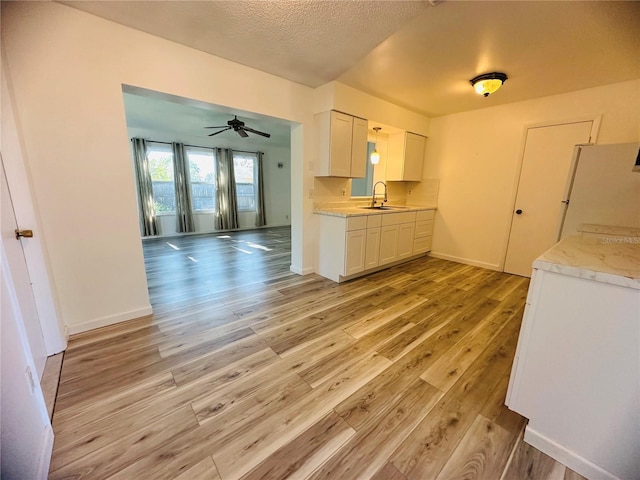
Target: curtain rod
(199, 146)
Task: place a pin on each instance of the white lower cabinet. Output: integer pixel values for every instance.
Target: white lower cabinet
(406, 233)
(355, 252)
(423, 232)
(356, 244)
(388, 244)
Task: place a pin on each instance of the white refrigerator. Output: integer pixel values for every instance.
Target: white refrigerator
(604, 188)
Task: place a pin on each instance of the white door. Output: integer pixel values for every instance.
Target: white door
(20, 275)
(545, 167)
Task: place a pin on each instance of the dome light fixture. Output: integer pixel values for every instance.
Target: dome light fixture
(375, 156)
(487, 83)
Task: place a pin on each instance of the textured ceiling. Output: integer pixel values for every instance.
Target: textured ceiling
(545, 47)
(307, 41)
(411, 53)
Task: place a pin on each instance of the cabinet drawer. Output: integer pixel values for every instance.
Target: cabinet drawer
(422, 245)
(397, 218)
(374, 221)
(424, 228)
(423, 215)
(356, 223)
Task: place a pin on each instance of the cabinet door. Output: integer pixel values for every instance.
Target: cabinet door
(406, 233)
(421, 245)
(341, 140)
(354, 251)
(372, 248)
(413, 157)
(359, 148)
(388, 244)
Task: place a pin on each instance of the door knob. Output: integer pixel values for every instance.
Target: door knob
(518, 212)
(23, 233)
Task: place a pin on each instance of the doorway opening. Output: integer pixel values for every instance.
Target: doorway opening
(181, 155)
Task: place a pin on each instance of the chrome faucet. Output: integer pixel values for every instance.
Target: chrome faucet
(373, 197)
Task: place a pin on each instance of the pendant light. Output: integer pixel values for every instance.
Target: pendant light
(375, 156)
(488, 83)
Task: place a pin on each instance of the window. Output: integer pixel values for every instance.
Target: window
(361, 187)
(202, 172)
(160, 159)
(244, 165)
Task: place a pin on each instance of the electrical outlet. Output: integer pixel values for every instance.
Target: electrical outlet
(286, 217)
(344, 192)
(409, 192)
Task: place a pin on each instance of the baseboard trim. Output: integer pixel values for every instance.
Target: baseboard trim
(301, 271)
(466, 261)
(568, 458)
(110, 320)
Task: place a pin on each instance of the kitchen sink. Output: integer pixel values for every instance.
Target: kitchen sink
(385, 207)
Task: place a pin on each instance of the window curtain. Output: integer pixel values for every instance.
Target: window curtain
(148, 220)
(184, 215)
(261, 218)
(226, 200)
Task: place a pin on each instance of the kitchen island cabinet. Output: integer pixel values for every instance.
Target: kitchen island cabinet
(576, 373)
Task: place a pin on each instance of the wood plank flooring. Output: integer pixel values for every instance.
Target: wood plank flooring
(247, 371)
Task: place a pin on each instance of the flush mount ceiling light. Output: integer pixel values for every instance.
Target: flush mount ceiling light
(375, 156)
(487, 83)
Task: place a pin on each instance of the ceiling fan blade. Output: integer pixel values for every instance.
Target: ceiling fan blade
(242, 133)
(257, 132)
(219, 126)
(216, 133)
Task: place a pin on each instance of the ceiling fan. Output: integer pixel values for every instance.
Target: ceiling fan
(238, 126)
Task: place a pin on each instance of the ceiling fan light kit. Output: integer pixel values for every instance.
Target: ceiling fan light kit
(488, 83)
(238, 126)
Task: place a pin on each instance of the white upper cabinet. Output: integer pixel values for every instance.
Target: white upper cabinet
(341, 149)
(405, 156)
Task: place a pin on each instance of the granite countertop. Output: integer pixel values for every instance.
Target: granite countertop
(357, 210)
(614, 260)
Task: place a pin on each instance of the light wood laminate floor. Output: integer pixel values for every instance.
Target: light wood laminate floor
(247, 371)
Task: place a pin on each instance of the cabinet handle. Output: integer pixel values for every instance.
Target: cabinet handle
(518, 212)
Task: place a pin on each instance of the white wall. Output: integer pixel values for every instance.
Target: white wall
(66, 69)
(477, 155)
(277, 181)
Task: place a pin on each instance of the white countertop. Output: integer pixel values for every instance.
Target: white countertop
(358, 210)
(609, 230)
(614, 260)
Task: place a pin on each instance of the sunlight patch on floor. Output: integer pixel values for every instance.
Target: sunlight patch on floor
(242, 250)
(259, 247)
